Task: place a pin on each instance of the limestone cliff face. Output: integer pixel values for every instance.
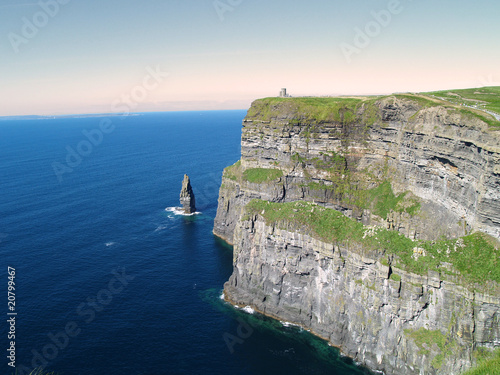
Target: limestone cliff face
(450, 162)
(346, 296)
(426, 171)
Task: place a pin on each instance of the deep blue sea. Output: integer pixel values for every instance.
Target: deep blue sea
(107, 281)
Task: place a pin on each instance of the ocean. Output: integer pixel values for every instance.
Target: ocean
(109, 279)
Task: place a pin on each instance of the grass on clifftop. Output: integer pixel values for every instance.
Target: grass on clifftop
(485, 97)
(308, 109)
(476, 257)
(346, 110)
(473, 101)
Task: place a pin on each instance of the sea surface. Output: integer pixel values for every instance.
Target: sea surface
(109, 279)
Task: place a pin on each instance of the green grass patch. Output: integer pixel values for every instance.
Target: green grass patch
(327, 224)
(421, 100)
(413, 209)
(260, 175)
(395, 277)
(381, 199)
(350, 187)
(233, 172)
(488, 363)
(307, 109)
(330, 161)
(487, 98)
(475, 256)
(425, 339)
(482, 354)
(371, 112)
(428, 340)
(384, 200)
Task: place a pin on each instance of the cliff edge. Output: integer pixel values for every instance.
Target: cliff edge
(374, 222)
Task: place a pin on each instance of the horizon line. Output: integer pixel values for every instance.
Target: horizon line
(98, 114)
(114, 114)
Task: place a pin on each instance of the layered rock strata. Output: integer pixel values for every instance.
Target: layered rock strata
(427, 171)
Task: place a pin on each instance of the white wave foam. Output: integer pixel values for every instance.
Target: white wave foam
(288, 324)
(108, 244)
(180, 212)
(248, 310)
(222, 296)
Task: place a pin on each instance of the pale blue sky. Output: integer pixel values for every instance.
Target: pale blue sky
(88, 54)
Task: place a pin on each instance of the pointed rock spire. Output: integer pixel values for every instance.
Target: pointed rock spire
(187, 196)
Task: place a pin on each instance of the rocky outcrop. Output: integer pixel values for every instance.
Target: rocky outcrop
(187, 196)
(400, 163)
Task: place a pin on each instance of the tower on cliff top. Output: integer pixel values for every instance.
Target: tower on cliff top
(283, 93)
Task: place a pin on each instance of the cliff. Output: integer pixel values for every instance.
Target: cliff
(374, 222)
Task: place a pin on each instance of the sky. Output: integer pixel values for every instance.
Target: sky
(101, 56)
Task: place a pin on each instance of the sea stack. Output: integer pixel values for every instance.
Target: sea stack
(187, 196)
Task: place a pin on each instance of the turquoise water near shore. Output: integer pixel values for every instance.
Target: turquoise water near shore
(109, 279)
